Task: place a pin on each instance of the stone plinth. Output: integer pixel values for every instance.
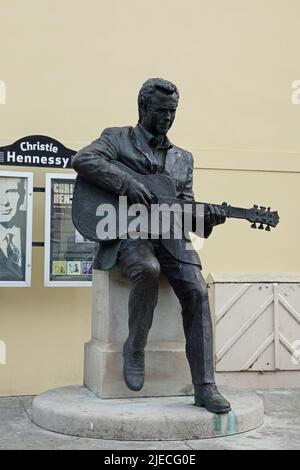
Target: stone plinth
(105, 407)
(77, 411)
(166, 369)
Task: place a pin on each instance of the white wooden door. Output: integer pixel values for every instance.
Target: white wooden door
(257, 326)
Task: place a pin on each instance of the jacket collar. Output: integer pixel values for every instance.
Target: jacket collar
(156, 142)
(141, 143)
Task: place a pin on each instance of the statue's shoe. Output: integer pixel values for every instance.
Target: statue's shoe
(209, 396)
(134, 368)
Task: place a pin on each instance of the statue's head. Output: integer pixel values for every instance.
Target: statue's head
(157, 102)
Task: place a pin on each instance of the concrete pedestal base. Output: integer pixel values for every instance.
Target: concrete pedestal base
(77, 411)
(166, 369)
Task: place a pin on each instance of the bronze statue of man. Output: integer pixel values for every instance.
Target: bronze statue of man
(147, 150)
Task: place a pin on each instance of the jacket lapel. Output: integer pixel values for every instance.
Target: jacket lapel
(141, 144)
(171, 158)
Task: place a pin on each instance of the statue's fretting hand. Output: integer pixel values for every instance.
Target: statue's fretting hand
(214, 215)
(138, 193)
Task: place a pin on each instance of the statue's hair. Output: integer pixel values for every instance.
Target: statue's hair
(149, 87)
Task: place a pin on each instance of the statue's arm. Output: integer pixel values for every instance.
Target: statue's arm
(188, 194)
(96, 163)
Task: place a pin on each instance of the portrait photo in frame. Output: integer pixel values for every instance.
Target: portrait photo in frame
(16, 196)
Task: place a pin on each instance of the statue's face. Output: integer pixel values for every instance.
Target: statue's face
(9, 198)
(160, 113)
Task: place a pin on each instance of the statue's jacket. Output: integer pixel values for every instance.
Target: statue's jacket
(96, 163)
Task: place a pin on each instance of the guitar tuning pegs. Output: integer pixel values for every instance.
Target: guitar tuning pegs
(261, 227)
(268, 228)
(224, 204)
(262, 208)
(255, 206)
(253, 225)
(269, 208)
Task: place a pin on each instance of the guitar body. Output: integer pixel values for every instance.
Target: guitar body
(93, 207)
(87, 197)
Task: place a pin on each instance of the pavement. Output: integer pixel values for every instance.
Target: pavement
(280, 431)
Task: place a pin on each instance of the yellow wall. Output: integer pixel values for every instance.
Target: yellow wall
(73, 67)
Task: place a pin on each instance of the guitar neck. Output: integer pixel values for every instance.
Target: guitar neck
(233, 212)
(230, 211)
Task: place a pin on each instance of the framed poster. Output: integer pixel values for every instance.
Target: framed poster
(68, 256)
(16, 189)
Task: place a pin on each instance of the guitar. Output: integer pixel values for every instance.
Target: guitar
(91, 204)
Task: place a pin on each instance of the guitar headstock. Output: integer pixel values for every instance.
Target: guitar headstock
(262, 216)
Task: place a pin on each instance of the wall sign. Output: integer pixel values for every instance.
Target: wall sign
(36, 150)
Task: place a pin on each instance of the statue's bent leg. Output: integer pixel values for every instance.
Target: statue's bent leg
(138, 262)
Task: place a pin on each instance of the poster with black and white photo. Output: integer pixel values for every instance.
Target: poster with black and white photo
(15, 228)
(68, 256)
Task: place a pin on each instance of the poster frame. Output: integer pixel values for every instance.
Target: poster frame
(47, 281)
(28, 245)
